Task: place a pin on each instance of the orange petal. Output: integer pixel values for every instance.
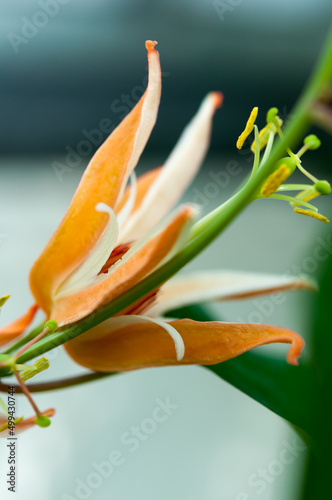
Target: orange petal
(24, 424)
(10, 332)
(145, 344)
(102, 181)
(125, 273)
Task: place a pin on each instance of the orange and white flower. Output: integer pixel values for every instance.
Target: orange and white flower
(114, 235)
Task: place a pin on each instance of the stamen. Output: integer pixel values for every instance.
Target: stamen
(295, 202)
(6, 425)
(41, 420)
(3, 406)
(257, 152)
(293, 187)
(26, 392)
(307, 194)
(38, 367)
(4, 299)
(248, 128)
(271, 115)
(312, 214)
(302, 169)
(268, 147)
(49, 327)
(322, 187)
(310, 142)
(264, 134)
(274, 181)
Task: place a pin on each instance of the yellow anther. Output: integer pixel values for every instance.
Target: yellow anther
(274, 181)
(6, 425)
(248, 128)
(312, 214)
(39, 366)
(4, 299)
(265, 133)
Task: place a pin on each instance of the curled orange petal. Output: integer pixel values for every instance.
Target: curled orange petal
(146, 344)
(13, 330)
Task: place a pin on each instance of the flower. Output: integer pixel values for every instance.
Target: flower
(113, 236)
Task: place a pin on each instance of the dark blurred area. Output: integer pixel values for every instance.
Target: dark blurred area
(68, 64)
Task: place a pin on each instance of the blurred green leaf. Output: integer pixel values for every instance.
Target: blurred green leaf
(318, 475)
(274, 383)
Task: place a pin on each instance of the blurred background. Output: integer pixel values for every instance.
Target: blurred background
(66, 65)
(72, 63)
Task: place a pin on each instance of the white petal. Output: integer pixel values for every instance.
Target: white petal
(129, 205)
(97, 257)
(177, 173)
(218, 285)
(181, 241)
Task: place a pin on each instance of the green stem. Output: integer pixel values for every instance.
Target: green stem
(58, 384)
(293, 187)
(24, 340)
(292, 199)
(221, 219)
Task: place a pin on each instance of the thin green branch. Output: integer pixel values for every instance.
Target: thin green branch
(58, 384)
(24, 340)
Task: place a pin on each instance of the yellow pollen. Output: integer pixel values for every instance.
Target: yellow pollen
(248, 128)
(6, 425)
(4, 299)
(312, 214)
(265, 132)
(39, 366)
(275, 180)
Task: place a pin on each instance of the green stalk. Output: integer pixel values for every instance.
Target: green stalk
(24, 340)
(58, 384)
(212, 225)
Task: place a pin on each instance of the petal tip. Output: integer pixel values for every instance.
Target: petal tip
(295, 350)
(191, 210)
(218, 99)
(150, 45)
